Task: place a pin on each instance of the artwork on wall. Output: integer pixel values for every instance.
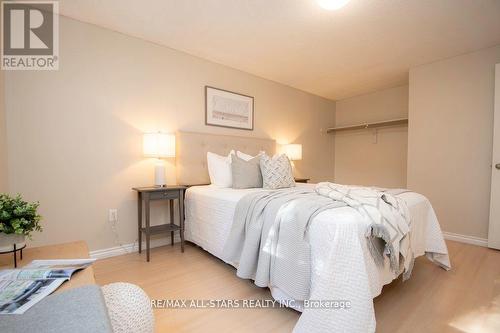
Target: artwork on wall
(228, 109)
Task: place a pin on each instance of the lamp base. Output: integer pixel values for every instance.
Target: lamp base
(160, 174)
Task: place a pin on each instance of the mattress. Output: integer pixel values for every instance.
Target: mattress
(210, 211)
(209, 215)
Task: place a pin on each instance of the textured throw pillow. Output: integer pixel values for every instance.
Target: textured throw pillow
(276, 172)
(246, 174)
(219, 169)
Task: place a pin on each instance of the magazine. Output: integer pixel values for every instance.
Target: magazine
(20, 289)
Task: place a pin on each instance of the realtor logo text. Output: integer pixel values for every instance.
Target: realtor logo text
(30, 35)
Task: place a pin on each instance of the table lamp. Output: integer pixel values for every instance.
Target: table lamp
(293, 151)
(159, 145)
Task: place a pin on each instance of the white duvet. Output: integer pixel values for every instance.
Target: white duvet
(342, 266)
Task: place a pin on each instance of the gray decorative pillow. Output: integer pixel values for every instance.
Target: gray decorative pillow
(246, 174)
(276, 172)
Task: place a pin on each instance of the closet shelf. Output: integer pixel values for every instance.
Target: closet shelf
(392, 122)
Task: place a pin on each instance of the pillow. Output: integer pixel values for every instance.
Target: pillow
(246, 174)
(247, 157)
(219, 169)
(276, 172)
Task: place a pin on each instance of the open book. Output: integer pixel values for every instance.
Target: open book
(20, 289)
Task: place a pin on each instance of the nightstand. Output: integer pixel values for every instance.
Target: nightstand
(148, 194)
(302, 180)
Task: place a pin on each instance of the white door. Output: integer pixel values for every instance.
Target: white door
(494, 232)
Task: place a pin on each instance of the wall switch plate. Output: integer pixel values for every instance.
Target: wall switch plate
(113, 215)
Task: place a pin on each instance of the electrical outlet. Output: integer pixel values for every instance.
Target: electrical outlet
(113, 215)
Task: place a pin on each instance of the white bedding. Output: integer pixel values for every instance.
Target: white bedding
(209, 215)
(210, 211)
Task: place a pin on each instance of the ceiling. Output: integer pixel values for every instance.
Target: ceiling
(365, 46)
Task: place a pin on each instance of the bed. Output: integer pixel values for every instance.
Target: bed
(342, 268)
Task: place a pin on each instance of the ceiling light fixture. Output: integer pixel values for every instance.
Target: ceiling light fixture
(332, 4)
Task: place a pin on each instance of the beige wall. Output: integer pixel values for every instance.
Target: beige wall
(450, 138)
(3, 138)
(74, 135)
(359, 159)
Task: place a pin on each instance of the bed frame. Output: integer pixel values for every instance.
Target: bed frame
(192, 148)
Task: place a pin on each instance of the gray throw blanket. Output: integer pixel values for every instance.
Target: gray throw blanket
(252, 245)
(259, 228)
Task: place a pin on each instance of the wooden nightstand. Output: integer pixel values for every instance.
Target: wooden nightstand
(148, 194)
(302, 180)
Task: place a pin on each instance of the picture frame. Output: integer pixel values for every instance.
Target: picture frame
(229, 109)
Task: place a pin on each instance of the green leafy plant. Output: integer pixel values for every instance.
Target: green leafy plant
(18, 216)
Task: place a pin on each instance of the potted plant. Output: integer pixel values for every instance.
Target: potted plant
(18, 219)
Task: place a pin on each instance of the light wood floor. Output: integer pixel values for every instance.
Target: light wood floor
(465, 299)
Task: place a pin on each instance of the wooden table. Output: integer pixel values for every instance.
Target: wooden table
(73, 250)
(144, 197)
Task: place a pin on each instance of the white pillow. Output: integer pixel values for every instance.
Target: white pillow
(219, 169)
(247, 157)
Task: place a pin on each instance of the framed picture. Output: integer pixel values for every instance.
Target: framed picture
(228, 109)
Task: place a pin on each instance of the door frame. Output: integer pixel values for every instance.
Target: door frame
(494, 223)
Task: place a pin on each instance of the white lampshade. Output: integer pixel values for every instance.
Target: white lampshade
(159, 145)
(293, 151)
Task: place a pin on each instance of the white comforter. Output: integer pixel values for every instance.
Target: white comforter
(341, 264)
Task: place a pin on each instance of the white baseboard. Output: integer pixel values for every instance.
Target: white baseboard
(134, 247)
(130, 248)
(465, 239)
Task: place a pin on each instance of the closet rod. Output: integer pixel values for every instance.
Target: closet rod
(393, 122)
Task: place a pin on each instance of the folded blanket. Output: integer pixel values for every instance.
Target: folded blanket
(390, 222)
(252, 245)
